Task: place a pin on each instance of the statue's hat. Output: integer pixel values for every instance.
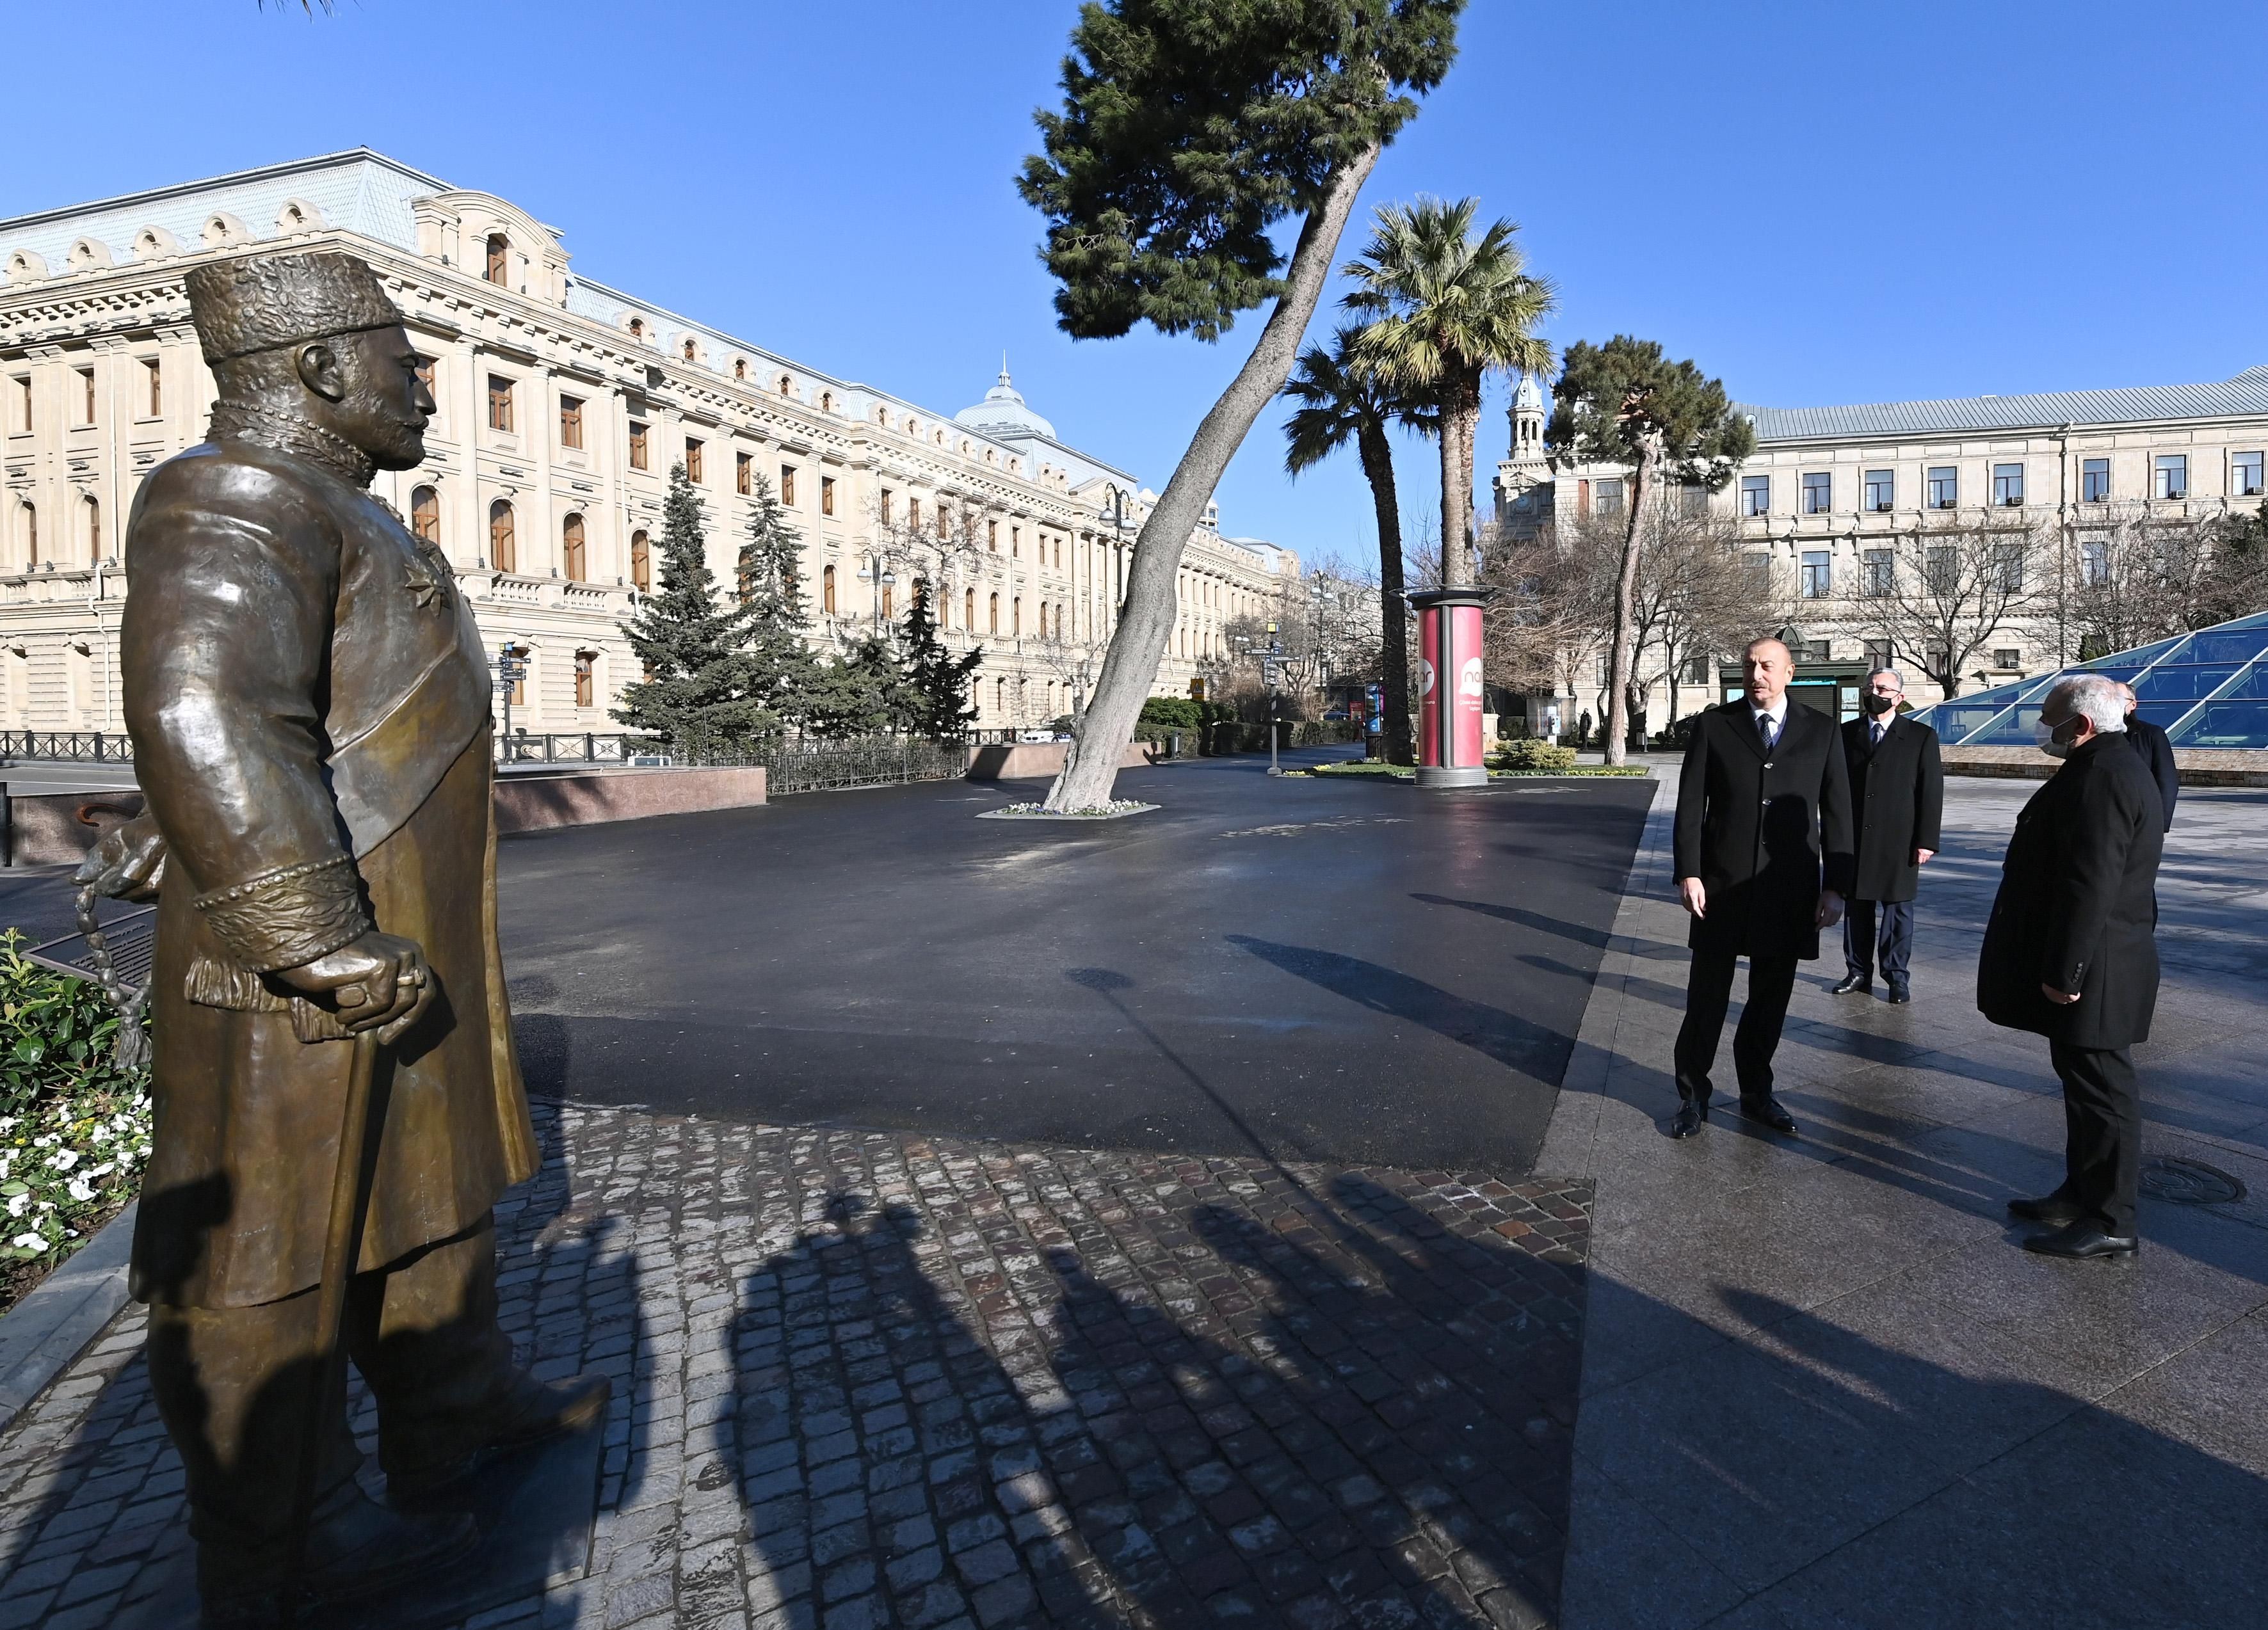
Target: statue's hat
(259, 302)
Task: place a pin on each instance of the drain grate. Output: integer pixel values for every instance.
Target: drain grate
(2189, 1182)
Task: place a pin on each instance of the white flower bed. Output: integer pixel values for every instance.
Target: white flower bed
(1111, 811)
(68, 1161)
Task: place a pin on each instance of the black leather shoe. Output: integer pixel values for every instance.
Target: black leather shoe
(1857, 985)
(1688, 1118)
(1767, 1112)
(2082, 1241)
(2047, 1209)
(1900, 996)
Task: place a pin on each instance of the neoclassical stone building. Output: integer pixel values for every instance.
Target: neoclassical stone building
(562, 405)
(1828, 491)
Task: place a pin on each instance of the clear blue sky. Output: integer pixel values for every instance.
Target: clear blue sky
(1819, 203)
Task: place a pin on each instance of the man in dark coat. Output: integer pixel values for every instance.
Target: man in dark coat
(2153, 747)
(2071, 954)
(309, 703)
(1763, 860)
(1897, 802)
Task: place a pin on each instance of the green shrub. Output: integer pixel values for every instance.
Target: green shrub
(1531, 752)
(74, 1129)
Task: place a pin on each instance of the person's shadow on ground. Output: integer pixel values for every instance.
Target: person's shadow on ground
(1343, 1414)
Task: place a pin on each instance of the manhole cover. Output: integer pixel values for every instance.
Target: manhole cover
(2189, 1182)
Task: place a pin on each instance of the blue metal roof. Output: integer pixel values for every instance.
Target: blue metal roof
(2245, 396)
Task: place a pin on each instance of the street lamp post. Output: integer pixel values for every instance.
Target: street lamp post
(1274, 668)
(512, 668)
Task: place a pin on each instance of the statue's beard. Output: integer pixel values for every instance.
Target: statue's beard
(377, 428)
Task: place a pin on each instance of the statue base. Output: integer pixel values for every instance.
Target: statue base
(1434, 775)
(535, 1510)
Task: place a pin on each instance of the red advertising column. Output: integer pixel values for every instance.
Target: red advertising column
(1451, 693)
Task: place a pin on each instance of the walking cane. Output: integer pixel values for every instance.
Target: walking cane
(339, 1245)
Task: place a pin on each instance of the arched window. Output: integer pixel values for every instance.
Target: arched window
(889, 602)
(827, 590)
(999, 697)
(504, 547)
(826, 401)
(499, 266)
(30, 537)
(968, 609)
(641, 563)
(637, 328)
(93, 531)
(786, 385)
(571, 548)
(1016, 616)
(740, 367)
(425, 514)
(688, 350)
(1043, 619)
(993, 615)
(586, 663)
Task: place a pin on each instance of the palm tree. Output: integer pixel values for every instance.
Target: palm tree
(1342, 401)
(1447, 308)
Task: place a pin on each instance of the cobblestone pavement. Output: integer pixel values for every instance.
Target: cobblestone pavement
(870, 1380)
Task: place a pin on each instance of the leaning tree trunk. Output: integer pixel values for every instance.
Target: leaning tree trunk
(1394, 612)
(1620, 658)
(1130, 667)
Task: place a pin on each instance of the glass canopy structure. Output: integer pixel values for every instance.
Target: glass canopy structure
(2207, 689)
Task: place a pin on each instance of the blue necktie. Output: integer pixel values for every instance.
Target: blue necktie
(1766, 725)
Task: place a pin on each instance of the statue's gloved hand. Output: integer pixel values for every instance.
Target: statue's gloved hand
(127, 863)
(378, 983)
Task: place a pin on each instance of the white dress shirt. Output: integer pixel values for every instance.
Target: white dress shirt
(1776, 713)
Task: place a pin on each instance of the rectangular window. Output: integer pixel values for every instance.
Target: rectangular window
(1818, 492)
(1942, 570)
(787, 484)
(2007, 659)
(2008, 566)
(20, 420)
(641, 447)
(886, 506)
(2244, 475)
(1756, 494)
(2172, 471)
(87, 396)
(2093, 562)
(570, 422)
(1015, 543)
(826, 494)
(2095, 480)
(992, 536)
(744, 474)
(1818, 574)
(153, 375)
(1693, 498)
(913, 514)
(1819, 650)
(1881, 573)
(425, 376)
(2008, 485)
(500, 402)
(584, 679)
(1944, 486)
(1609, 494)
(1881, 491)
(1881, 654)
(692, 460)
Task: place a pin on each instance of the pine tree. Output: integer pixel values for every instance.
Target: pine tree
(936, 680)
(783, 671)
(862, 692)
(697, 696)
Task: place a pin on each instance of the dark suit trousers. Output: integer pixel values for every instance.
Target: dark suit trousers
(2102, 1124)
(1708, 993)
(1895, 944)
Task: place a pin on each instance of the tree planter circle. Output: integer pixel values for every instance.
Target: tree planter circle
(1117, 809)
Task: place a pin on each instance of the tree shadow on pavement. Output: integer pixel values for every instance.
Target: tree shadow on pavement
(1201, 1391)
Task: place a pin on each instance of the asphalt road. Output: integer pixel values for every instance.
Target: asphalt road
(1313, 969)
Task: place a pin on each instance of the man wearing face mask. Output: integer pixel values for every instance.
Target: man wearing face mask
(1897, 800)
(2071, 954)
(2156, 752)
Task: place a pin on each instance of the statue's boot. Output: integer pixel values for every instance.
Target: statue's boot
(356, 1549)
(450, 1399)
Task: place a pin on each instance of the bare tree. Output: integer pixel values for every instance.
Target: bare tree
(1942, 594)
(2138, 575)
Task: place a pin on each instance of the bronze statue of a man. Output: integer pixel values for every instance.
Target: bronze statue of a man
(309, 703)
